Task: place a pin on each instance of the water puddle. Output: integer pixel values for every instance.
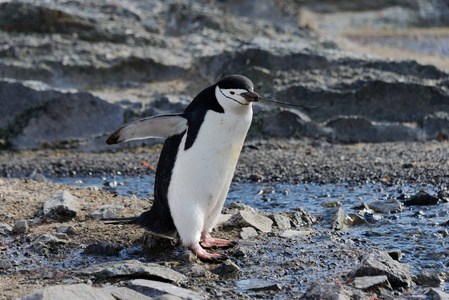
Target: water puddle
(417, 230)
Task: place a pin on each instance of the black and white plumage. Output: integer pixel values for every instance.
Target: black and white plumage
(197, 161)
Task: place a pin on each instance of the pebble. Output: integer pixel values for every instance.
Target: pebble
(103, 248)
(248, 232)
(295, 233)
(20, 226)
(227, 269)
(107, 211)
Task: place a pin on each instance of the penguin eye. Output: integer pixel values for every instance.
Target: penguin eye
(232, 93)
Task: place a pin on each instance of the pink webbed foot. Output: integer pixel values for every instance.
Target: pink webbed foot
(212, 243)
(206, 256)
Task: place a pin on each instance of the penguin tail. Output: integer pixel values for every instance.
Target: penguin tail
(120, 221)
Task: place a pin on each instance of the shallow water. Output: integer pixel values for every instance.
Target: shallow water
(416, 230)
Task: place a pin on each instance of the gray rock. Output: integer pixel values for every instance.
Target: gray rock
(248, 232)
(61, 207)
(378, 263)
(386, 206)
(20, 226)
(294, 233)
(369, 282)
(133, 268)
(123, 293)
(258, 285)
(194, 270)
(155, 289)
(227, 269)
(302, 218)
(282, 122)
(107, 211)
(37, 118)
(430, 278)
(422, 198)
(249, 218)
(65, 229)
(37, 177)
(338, 219)
(436, 125)
(437, 294)
(5, 228)
(69, 292)
(395, 254)
(357, 129)
(48, 243)
(319, 290)
(280, 221)
(103, 248)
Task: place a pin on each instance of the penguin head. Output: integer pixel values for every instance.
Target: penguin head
(235, 90)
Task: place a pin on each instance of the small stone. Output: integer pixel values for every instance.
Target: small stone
(103, 248)
(386, 206)
(69, 292)
(47, 243)
(338, 219)
(37, 177)
(20, 226)
(422, 198)
(248, 232)
(331, 204)
(368, 282)
(5, 229)
(65, 229)
(395, 254)
(380, 263)
(295, 233)
(430, 278)
(227, 269)
(250, 218)
(263, 286)
(302, 218)
(152, 288)
(107, 211)
(133, 268)
(61, 207)
(194, 270)
(282, 222)
(437, 294)
(243, 251)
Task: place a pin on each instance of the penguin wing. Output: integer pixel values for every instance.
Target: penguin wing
(158, 126)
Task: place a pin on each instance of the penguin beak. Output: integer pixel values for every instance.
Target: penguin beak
(250, 96)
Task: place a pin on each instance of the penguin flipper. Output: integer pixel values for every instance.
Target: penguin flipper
(157, 126)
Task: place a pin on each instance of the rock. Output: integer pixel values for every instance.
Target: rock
(422, 198)
(386, 206)
(319, 290)
(258, 285)
(227, 269)
(280, 221)
(349, 129)
(378, 263)
(395, 254)
(282, 122)
(295, 233)
(430, 278)
(156, 289)
(103, 248)
(47, 243)
(107, 211)
(37, 177)
(65, 229)
(250, 218)
(123, 293)
(235, 207)
(437, 294)
(248, 232)
(370, 282)
(20, 227)
(5, 228)
(69, 292)
(194, 270)
(133, 269)
(436, 125)
(4, 264)
(302, 218)
(37, 118)
(338, 218)
(61, 207)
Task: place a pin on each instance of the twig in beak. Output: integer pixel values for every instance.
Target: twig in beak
(289, 104)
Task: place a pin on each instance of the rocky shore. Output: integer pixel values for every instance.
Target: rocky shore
(73, 71)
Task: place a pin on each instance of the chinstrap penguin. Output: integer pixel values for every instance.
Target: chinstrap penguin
(197, 162)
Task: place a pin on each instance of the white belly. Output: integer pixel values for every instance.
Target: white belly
(202, 173)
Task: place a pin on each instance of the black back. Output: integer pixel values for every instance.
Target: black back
(158, 219)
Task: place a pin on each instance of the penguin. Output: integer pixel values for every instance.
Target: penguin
(197, 162)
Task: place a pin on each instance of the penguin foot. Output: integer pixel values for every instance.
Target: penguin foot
(206, 256)
(213, 243)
